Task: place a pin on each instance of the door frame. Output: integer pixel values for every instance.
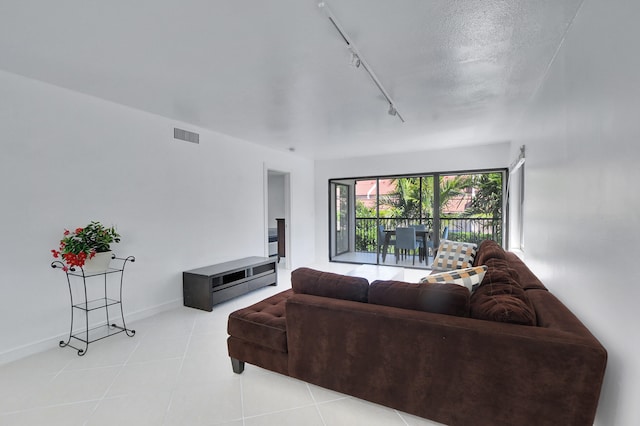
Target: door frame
(347, 189)
(287, 211)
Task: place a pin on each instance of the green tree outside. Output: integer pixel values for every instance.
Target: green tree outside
(412, 201)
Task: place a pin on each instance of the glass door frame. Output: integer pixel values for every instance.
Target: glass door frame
(340, 218)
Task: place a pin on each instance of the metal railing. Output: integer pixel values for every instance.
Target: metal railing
(466, 229)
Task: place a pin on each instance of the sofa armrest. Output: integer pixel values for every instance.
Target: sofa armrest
(449, 369)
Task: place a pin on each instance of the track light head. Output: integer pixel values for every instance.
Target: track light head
(392, 110)
(355, 60)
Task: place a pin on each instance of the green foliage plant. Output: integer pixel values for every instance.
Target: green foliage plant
(83, 243)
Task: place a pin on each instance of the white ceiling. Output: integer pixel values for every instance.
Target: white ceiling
(277, 72)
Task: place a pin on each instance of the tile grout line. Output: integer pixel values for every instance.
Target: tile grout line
(63, 404)
(186, 348)
(111, 384)
(184, 356)
(284, 410)
(44, 407)
(62, 369)
(242, 400)
(401, 418)
(315, 403)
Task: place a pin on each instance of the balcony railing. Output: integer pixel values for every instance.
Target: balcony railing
(472, 230)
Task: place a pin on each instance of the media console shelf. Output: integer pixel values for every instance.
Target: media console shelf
(204, 287)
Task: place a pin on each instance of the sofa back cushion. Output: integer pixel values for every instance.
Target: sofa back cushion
(328, 284)
(500, 297)
(488, 249)
(502, 308)
(500, 270)
(448, 299)
(527, 280)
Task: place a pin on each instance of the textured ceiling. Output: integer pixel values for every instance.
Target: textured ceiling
(278, 73)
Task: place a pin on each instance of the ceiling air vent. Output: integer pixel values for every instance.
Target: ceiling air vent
(186, 135)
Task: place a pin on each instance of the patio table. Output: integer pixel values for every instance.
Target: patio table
(388, 233)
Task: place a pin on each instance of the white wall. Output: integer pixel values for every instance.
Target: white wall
(582, 210)
(488, 156)
(68, 158)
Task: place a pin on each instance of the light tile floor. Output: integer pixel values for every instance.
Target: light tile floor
(176, 371)
(390, 260)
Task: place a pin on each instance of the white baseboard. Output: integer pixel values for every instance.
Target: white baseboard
(50, 342)
(154, 310)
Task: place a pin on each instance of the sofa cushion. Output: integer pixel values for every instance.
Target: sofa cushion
(500, 297)
(503, 308)
(262, 323)
(488, 249)
(328, 284)
(493, 287)
(499, 270)
(454, 255)
(467, 277)
(448, 299)
(527, 279)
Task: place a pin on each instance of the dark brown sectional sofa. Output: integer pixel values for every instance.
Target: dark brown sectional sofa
(509, 354)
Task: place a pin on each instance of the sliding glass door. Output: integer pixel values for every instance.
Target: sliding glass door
(382, 205)
(460, 206)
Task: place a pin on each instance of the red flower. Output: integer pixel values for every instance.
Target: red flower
(75, 259)
(81, 244)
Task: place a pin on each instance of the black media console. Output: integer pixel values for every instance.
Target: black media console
(204, 287)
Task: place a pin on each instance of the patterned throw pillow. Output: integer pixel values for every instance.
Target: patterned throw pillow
(454, 255)
(468, 277)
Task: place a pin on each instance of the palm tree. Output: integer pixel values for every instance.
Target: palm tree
(407, 200)
(453, 187)
(487, 201)
(488, 197)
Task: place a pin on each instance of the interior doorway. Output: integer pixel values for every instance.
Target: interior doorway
(278, 218)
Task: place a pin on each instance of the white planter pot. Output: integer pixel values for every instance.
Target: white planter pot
(98, 263)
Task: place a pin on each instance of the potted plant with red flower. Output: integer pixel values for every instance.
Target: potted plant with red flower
(88, 248)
